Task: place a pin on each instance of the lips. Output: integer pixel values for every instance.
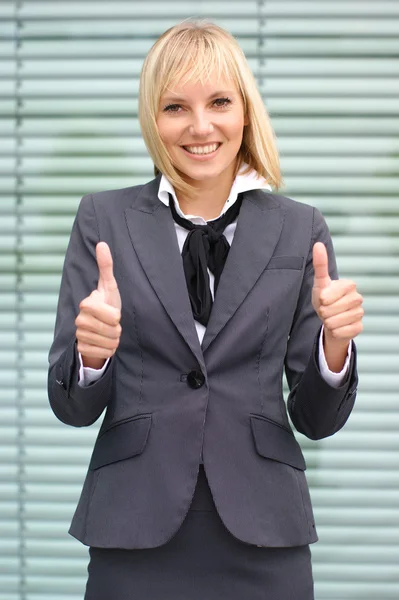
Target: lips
(202, 150)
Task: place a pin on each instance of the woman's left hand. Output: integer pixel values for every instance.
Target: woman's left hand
(338, 305)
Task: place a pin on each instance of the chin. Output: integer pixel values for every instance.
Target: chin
(195, 176)
(202, 172)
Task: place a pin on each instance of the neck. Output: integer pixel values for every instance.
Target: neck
(209, 197)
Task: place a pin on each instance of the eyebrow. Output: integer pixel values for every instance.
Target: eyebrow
(176, 99)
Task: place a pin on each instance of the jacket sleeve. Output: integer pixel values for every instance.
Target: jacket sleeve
(72, 404)
(316, 409)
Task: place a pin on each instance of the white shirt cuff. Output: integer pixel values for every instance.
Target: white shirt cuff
(87, 375)
(333, 379)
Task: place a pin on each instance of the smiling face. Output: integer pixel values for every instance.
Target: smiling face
(201, 125)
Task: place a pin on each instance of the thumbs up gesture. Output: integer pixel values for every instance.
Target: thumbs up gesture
(98, 327)
(338, 305)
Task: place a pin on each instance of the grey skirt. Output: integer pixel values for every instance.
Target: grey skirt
(203, 561)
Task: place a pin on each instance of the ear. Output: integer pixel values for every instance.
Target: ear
(246, 120)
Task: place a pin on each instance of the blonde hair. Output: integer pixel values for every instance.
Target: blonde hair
(193, 51)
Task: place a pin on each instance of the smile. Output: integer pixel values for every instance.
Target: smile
(202, 152)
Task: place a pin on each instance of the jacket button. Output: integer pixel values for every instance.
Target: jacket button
(195, 379)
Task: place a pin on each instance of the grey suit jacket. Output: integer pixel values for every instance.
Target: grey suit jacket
(157, 429)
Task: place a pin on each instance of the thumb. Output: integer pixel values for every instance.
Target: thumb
(320, 266)
(106, 280)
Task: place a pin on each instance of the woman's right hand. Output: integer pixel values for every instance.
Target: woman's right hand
(98, 327)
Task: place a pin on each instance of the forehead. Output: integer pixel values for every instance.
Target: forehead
(213, 84)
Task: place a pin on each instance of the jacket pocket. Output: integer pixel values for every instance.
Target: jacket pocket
(285, 262)
(122, 440)
(276, 442)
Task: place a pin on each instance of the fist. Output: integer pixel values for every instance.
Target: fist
(337, 302)
(98, 327)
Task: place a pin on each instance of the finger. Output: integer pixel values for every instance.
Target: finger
(93, 339)
(96, 307)
(88, 350)
(347, 302)
(106, 280)
(87, 321)
(320, 266)
(338, 289)
(348, 332)
(342, 320)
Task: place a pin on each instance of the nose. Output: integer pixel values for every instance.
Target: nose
(201, 125)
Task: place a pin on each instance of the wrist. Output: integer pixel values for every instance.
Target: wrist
(93, 362)
(333, 343)
(335, 351)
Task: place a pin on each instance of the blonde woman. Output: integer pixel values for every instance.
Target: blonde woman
(182, 302)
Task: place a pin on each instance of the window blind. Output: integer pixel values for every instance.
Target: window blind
(69, 71)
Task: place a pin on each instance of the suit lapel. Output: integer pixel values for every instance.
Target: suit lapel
(153, 236)
(258, 231)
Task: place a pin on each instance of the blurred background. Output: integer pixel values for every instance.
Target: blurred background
(69, 72)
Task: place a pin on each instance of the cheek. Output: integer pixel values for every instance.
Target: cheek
(235, 129)
(167, 131)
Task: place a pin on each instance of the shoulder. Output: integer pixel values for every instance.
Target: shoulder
(289, 205)
(120, 199)
(296, 212)
(300, 219)
(106, 211)
(103, 209)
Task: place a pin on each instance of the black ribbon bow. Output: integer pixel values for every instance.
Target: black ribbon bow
(205, 247)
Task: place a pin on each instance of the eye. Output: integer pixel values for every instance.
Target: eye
(171, 108)
(222, 102)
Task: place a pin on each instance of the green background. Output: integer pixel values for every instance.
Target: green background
(328, 72)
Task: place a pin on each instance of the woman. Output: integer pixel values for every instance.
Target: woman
(196, 486)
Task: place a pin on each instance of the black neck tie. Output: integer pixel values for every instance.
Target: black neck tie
(205, 247)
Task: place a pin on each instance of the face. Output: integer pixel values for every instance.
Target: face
(202, 126)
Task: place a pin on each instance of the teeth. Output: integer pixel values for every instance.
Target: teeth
(202, 149)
